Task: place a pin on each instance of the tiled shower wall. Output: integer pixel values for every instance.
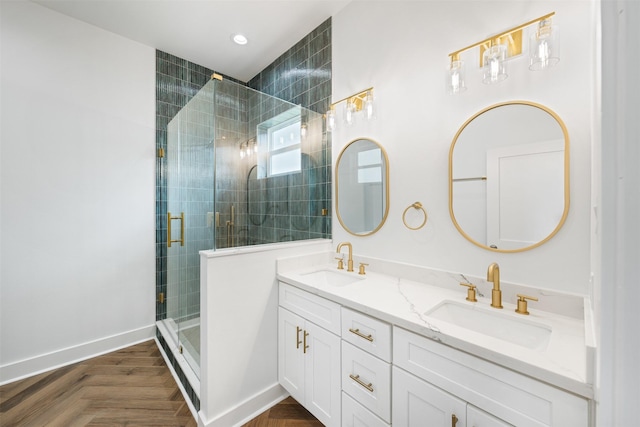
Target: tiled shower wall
(292, 206)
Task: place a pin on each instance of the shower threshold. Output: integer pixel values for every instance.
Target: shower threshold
(190, 367)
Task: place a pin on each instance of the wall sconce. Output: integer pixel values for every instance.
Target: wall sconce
(361, 101)
(495, 50)
(455, 77)
(543, 46)
(248, 148)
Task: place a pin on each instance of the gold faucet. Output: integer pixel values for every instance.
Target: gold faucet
(493, 275)
(350, 259)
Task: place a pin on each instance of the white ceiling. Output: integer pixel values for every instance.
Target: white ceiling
(200, 30)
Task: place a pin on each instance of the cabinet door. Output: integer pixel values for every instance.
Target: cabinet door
(322, 375)
(479, 418)
(290, 354)
(417, 403)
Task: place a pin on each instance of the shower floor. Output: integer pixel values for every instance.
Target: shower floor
(191, 336)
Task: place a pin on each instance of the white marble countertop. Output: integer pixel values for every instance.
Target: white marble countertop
(403, 302)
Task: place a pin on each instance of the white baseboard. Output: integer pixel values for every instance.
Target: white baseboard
(67, 356)
(247, 410)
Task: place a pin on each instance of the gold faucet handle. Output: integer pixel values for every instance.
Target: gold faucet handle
(361, 269)
(340, 263)
(471, 292)
(522, 303)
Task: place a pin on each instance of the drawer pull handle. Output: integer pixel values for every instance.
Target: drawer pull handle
(361, 335)
(454, 420)
(304, 345)
(298, 342)
(357, 379)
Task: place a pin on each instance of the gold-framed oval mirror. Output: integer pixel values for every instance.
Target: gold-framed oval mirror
(362, 187)
(509, 176)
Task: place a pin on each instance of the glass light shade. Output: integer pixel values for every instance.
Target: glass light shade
(543, 47)
(494, 60)
(368, 106)
(455, 78)
(331, 120)
(350, 112)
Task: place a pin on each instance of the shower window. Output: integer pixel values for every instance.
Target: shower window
(284, 148)
(280, 143)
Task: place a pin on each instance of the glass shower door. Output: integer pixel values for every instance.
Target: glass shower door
(189, 219)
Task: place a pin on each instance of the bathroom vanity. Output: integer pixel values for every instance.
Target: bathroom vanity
(405, 348)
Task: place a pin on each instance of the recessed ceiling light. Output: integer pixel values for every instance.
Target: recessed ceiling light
(239, 39)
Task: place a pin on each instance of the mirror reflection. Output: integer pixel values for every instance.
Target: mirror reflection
(362, 187)
(509, 176)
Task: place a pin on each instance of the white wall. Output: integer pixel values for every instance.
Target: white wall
(401, 48)
(77, 226)
(616, 228)
(239, 314)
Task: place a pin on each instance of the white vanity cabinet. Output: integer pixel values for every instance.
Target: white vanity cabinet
(308, 354)
(351, 369)
(497, 396)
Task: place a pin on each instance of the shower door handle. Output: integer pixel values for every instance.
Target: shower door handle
(169, 219)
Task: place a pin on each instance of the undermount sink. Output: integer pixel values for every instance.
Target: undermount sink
(494, 323)
(330, 278)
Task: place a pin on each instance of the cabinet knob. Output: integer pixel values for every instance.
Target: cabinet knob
(454, 420)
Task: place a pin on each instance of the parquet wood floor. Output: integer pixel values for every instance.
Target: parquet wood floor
(129, 387)
(287, 413)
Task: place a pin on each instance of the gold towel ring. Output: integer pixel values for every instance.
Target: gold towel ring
(416, 205)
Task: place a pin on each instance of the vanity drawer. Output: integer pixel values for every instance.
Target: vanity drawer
(515, 398)
(318, 310)
(356, 415)
(367, 333)
(367, 379)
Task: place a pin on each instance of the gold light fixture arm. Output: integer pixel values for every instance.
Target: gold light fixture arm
(515, 42)
(357, 99)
